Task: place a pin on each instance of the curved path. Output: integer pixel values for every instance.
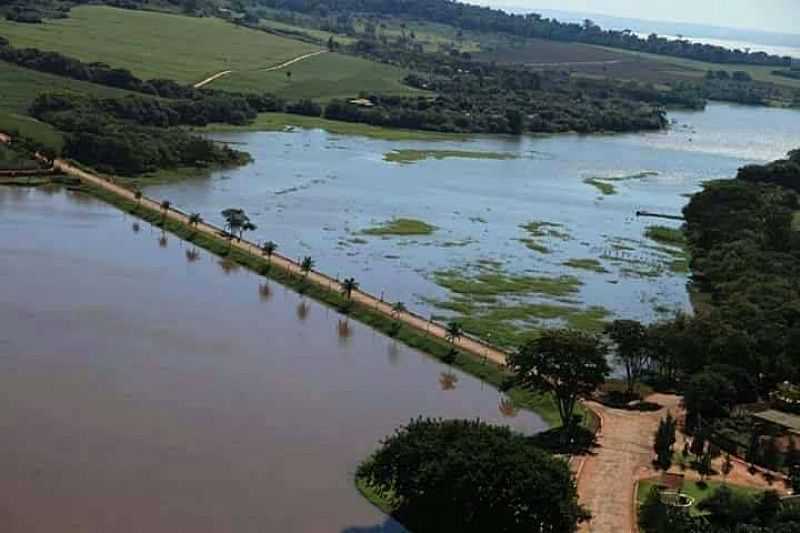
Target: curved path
(465, 343)
(607, 479)
(285, 64)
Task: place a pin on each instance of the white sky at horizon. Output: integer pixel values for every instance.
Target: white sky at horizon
(767, 15)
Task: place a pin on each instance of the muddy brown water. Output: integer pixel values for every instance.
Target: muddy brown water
(147, 389)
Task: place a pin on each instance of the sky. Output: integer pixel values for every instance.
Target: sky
(766, 15)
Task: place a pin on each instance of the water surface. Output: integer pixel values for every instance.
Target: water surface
(146, 392)
(313, 192)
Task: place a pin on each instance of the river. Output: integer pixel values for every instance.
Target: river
(313, 193)
(147, 387)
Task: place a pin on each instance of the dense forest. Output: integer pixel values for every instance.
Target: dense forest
(476, 18)
(130, 136)
(741, 346)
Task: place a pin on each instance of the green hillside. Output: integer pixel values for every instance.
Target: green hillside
(324, 76)
(155, 45)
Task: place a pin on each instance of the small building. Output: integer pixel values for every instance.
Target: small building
(783, 425)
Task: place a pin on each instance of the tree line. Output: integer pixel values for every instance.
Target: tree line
(128, 136)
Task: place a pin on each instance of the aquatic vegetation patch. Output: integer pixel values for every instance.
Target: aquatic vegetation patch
(539, 230)
(602, 186)
(512, 324)
(499, 283)
(409, 156)
(666, 235)
(401, 227)
(592, 265)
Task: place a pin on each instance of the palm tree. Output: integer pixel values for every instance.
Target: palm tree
(348, 286)
(306, 265)
(195, 219)
(397, 309)
(137, 194)
(268, 248)
(165, 205)
(236, 220)
(454, 332)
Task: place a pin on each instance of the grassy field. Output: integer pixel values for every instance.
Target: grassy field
(408, 156)
(155, 45)
(280, 121)
(400, 226)
(540, 51)
(321, 77)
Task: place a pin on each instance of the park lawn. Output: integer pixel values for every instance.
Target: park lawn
(322, 77)
(156, 45)
(695, 490)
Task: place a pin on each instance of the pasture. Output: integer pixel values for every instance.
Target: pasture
(156, 45)
(321, 77)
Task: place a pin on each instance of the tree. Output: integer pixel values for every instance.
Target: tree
(631, 342)
(567, 363)
(772, 454)
(727, 467)
(165, 206)
(698, 446)
(753, 455)
(348, 286)
(454, 332)
(709, 395)
(331, 44)
(664, 441)
(704, 467)
(268, 248)
(398, 309)
(236, 220)
(307, 265)
(195, 219)
(470, 477)
(137, 195)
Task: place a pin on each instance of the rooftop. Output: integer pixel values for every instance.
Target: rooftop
(786, 420)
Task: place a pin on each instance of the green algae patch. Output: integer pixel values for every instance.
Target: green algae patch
(407, 157)
(538, 231)
(498, 283)
(604, 187)
(592, 265)
(666, 235)
(400, 227)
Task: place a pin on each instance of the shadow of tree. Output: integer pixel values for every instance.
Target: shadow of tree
(388, 526)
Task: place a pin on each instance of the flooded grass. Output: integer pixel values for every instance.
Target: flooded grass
(592, 265)
(498, 283)
(409, 156)
(666, 235)
(602, 186)
(400, 227)
(539, 230)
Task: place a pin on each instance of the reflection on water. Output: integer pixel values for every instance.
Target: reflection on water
(162, 240)
(264, 292)
(144, 393)
(192, 255)
(228, 265)
(507, 408)
(135, 227)
(302, 310)
(448, 380)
